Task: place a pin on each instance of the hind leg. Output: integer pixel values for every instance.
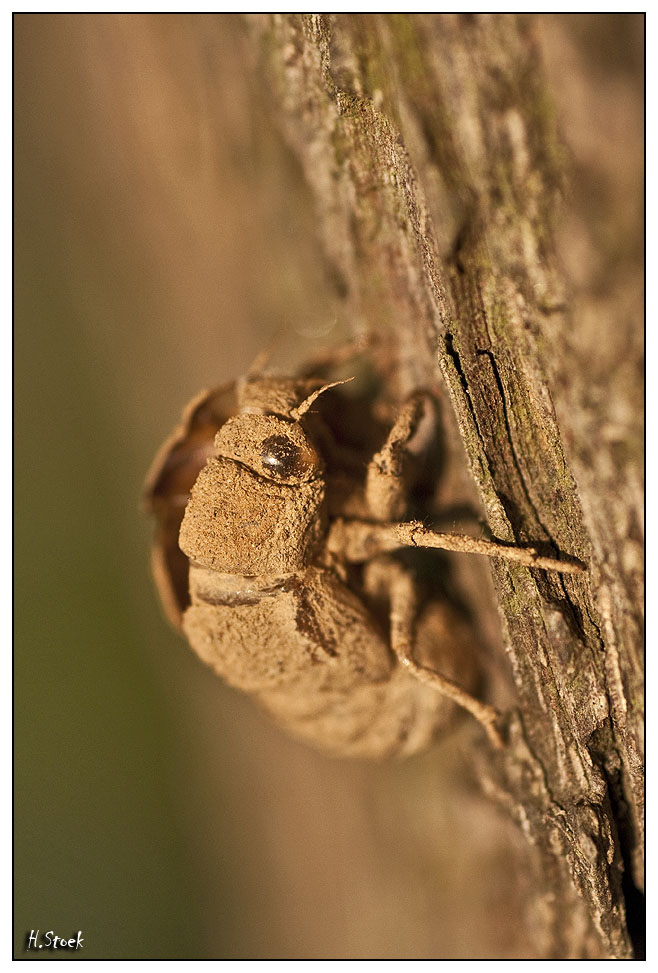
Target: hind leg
(387, 578)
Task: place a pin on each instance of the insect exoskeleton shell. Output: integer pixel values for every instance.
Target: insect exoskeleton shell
(167, 489)
(183, 455)
(244, 503)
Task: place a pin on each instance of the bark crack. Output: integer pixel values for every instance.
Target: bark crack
(485, 352)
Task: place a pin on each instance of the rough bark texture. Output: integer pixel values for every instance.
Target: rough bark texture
(440, 151)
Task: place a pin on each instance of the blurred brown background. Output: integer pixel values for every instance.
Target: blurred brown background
(163, 234)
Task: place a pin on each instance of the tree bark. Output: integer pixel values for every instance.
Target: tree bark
(473, 209)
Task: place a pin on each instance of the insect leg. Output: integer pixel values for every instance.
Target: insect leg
(360, 540)
(391, 469)
(403, 613)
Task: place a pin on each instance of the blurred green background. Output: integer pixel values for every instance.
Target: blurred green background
(162, 235)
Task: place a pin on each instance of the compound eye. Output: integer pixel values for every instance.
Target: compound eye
(284, 459)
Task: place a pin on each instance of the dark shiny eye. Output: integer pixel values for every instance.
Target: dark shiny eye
(281, 457)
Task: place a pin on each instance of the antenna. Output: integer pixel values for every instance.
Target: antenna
(308, 402)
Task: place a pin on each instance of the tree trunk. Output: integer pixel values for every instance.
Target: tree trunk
(478, 186)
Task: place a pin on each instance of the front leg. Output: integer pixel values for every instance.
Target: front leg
(392, 470)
